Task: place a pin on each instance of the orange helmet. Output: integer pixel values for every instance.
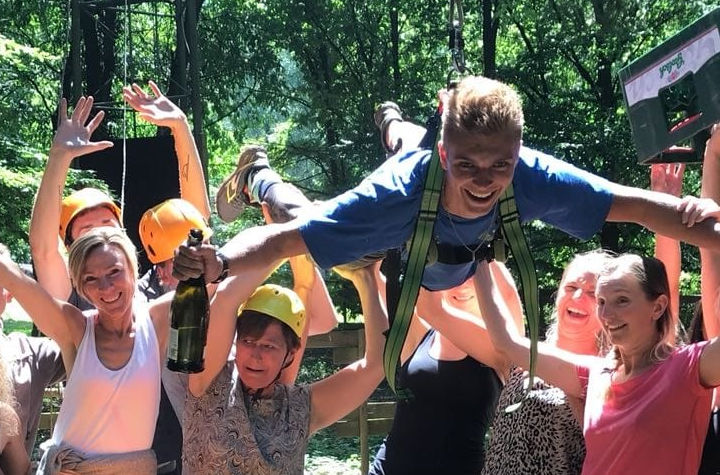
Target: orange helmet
(167, 225)
(80, 201)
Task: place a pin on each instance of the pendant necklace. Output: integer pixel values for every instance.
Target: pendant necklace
(484, 239)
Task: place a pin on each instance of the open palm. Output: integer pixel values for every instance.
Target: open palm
(156, 108)
(73, 133)
(667, 177)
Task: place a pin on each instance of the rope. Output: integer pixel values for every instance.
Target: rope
(126, 35)
(68, 41)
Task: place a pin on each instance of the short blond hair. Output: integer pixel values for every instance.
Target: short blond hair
(85, 244)
(481, 106)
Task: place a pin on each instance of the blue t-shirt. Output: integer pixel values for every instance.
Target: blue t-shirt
(380, 212)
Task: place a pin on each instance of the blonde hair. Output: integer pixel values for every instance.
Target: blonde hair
(7, 399)
(85, 244)
(7, 395)
(592, 261)
(481, 106)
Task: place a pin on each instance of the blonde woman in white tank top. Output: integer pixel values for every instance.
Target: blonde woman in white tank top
(112, 356)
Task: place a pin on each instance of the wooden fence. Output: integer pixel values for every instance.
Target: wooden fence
(372, 417)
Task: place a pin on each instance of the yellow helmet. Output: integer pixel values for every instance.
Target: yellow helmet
(167, 225)
(280, 303)
(82, 200)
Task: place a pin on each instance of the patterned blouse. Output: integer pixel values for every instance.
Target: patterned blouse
(226, 431)
(541, 437)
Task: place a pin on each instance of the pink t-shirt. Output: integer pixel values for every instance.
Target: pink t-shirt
(653, 423)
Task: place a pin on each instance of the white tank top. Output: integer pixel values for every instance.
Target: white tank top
(112, 411)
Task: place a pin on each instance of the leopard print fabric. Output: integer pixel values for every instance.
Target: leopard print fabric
(227, 432)
(540, 437)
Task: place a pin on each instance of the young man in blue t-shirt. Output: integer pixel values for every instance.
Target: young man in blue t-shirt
(481, 151)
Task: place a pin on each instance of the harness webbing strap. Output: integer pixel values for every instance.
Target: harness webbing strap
(515, 239)
(412, 278)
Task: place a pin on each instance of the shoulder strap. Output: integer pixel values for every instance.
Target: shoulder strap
(515, 239)
(403, 290)
(404, 304)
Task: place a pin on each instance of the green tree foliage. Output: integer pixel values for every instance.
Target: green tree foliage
(303, 78)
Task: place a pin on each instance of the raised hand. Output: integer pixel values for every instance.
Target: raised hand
(156, 108)
(72, 138)
(667, 177)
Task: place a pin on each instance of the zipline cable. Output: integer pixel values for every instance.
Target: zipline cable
(126, 35)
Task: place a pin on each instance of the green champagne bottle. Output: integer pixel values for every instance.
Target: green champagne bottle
(189, 312)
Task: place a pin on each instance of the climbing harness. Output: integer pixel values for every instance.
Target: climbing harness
(403, 288)
(515, 239)
(401, 307)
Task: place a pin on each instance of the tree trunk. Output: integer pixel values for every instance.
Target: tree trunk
(109, 18)
(489, 32)
(610, 237)
(93, 68)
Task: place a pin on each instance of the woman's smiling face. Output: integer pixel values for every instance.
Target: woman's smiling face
(626, 313)
(576, 304)
(108, 281)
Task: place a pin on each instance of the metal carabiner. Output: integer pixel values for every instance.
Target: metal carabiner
(456, 6)
(456, 42)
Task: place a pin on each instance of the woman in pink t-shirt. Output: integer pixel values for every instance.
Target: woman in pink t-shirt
(647, 403)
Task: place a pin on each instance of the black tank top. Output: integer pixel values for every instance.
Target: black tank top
(441, 429)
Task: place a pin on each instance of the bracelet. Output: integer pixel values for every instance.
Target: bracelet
(225, 268)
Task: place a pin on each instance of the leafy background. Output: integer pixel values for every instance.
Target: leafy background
(303, 77)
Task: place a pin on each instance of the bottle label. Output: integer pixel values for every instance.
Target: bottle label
(173, 344)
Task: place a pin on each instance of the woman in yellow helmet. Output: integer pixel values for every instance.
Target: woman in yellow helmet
(240, 417)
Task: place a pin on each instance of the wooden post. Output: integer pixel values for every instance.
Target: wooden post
(363, 417)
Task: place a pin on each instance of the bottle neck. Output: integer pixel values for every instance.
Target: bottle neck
(195, 281)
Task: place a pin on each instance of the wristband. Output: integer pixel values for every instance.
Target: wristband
(225, 268)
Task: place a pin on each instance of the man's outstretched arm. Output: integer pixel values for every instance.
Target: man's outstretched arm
(659, 213)
(252, 248)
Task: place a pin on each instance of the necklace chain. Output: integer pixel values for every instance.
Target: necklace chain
(484, 237)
